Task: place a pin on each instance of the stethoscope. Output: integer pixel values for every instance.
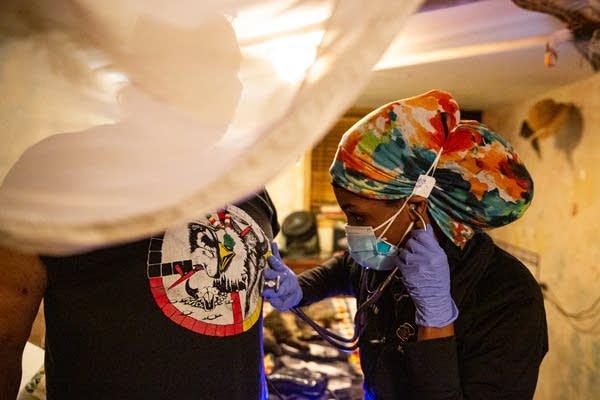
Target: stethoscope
(350, 344)
(340, 342)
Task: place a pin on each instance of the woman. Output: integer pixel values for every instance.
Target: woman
(448, 315)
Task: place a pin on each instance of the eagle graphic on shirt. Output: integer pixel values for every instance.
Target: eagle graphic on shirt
(206, 275)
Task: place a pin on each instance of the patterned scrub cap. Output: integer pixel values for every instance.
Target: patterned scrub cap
(480, 181)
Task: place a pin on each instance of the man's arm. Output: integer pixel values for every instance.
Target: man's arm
(23, 281)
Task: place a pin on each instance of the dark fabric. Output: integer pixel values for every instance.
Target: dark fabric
(108, 338)
(500, 335)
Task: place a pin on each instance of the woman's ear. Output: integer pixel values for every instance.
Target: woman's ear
(418, 204)
(417, 207)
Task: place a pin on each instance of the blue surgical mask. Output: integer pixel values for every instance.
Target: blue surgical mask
(370, 251)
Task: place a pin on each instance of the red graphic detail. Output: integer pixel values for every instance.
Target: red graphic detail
(211, 330)
(158, 291)
(225, 218)
(178, 318)
(170, 310)
(188, 323)
(237, 308)
(162, 300)
(199, 327)
(213, 221)
(184, 277)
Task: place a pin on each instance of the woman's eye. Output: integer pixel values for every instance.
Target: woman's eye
(354, 219)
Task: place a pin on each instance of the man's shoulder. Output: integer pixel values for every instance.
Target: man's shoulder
(261, 208)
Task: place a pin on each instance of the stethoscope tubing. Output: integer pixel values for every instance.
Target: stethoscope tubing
(340, 342)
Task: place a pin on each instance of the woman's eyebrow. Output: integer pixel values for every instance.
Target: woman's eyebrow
(352, 209)
(347, 206)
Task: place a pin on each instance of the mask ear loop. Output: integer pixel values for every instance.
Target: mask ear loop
(388, 222)
(434, 164)
(414, 210)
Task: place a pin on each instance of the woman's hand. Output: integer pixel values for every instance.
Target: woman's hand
(426, 275)
(281, 284)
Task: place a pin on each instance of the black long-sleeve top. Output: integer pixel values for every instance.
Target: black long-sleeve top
(500, 334)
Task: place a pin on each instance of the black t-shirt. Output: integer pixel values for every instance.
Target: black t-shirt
(174, 316)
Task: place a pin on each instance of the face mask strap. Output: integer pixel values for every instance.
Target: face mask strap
(421, 218)
(406, 232)
(388, 222)
(433, 166)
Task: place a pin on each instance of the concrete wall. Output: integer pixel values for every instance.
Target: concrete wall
(561, 226)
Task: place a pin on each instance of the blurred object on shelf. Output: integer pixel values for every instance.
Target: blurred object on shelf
(301, 237)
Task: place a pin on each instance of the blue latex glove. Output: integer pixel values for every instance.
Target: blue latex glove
(426, 275)
(281, 284)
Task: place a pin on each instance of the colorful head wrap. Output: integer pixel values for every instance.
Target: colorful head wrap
(480, 181)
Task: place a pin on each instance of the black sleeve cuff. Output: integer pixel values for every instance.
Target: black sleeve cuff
(433, 369)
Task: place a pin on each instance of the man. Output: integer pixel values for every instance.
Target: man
(177, 315)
